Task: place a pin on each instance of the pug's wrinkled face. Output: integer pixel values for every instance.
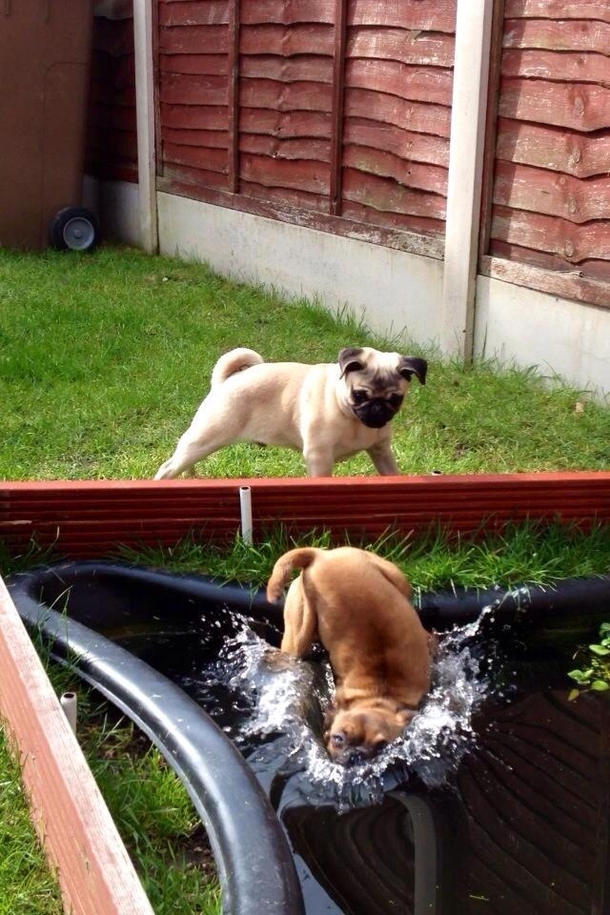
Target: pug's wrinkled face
(355, 736)
(377, 382)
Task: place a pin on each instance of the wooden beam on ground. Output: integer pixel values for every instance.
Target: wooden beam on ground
(81, 841)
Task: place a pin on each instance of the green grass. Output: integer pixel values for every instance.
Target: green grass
(534, 552)
(155, 817)
(104, 359)
(25, 884)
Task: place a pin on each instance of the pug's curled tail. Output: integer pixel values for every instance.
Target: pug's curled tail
(300, 558)
(236, 360)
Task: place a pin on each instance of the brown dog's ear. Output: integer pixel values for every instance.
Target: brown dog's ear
(411, 365)
(349, 360)
(329, 716)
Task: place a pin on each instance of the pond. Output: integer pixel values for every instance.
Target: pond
(496, 801)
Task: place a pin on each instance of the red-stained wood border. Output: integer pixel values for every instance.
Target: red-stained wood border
(87, 519)
(78, 834)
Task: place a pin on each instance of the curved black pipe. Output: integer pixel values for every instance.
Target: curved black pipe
(252, 854)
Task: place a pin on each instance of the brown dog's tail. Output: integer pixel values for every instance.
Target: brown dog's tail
(236, 360)
(293, 559)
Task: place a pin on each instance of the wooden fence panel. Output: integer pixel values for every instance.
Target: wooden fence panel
(550, 204)
(338, 108)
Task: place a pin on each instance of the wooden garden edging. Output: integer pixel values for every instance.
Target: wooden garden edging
(93, 869)
(84, 519)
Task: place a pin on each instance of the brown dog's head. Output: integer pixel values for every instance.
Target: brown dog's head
(376, 382)
(355, 735)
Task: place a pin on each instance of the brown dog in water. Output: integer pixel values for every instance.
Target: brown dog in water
(358, 606)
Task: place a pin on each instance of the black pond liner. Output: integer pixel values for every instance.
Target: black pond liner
(79, 607)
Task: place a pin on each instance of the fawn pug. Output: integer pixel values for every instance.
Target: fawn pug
(327, 411)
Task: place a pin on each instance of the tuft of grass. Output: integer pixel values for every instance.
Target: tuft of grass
(25, 882)
(157, 821)
(104, 360)
(535, 553)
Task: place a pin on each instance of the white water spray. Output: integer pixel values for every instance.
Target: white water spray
(288, 698)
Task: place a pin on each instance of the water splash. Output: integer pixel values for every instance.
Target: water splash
(286, 700)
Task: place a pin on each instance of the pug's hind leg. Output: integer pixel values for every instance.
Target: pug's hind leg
(300, 623)
(183, 460)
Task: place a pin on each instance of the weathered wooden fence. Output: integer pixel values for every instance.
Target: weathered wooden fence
(336, 113)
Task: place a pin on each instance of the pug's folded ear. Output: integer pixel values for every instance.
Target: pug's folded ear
(411, 365)
(349, 360)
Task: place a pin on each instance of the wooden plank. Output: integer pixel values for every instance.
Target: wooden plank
(577, 106)
(414, 147)
(215, 139)
(574, 243)
(411, 115)
(540, 191)
(430, 231)
(565, 67)
(186, 89)
(286, 12)
(304, 67)
(301, 96)
(559, 9)
(353, 224)
(581, 155)
(557, 35)
(287, 41)
(212, 159)
(286, 124)
(431, 85)
(193, 178)
(404, 45)
(391, 197)
(298, 148)
(408, 174)
(425, 15)
(93, 869)
(191, 117)
(98, 515)
(205, 64)
(298, 175)
(590, 270)
(194, 40)
(194, 12)
(338, 108)
(282, 196)
(514, 268)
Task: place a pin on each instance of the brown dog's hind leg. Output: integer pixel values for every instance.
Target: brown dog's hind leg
(300, 623)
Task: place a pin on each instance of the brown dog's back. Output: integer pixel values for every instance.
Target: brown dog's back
(375, 640)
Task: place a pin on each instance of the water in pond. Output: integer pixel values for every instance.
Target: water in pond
(496, 801)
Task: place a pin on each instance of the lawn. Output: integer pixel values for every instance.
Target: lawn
(103, 361)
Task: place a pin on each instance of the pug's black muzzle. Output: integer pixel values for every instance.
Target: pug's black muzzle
(375, 413)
